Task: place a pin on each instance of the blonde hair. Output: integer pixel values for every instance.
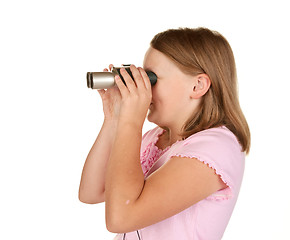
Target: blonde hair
(201, 50)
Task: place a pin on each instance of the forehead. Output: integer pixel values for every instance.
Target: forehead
(155, 59)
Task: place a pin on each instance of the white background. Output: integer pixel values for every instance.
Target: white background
(50, 119)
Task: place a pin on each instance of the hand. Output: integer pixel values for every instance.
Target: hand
(111, 99)
(135, 97)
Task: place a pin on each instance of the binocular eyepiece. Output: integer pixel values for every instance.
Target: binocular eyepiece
(105, 80)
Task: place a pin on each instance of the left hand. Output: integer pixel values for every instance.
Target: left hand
(136, 96)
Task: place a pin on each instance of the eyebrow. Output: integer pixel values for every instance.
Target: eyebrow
(149, 69)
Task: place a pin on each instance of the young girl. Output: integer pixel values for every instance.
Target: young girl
(181, 180)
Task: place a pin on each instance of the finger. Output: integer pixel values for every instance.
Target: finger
(146, 79)
(138, 78)
(128, 80)
(111, 66)
(105, 70)
(101, 92)
(123, 89)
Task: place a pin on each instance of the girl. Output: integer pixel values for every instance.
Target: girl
(181, 180)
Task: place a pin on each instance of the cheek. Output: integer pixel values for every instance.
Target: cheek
(159, 98)
(168, 95)
(164, 102)
(155, 93)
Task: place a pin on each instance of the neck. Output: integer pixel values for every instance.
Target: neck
(172, 135)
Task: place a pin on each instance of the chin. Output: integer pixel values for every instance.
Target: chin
(153, 118)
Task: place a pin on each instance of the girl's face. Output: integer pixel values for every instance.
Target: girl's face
(171, 103)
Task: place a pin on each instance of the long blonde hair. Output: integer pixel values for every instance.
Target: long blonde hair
(201, 50)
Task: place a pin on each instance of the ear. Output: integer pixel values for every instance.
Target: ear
(201, 85)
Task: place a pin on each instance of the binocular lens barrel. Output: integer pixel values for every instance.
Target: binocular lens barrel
(105, 80)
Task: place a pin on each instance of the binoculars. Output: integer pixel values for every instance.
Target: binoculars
(105, 80)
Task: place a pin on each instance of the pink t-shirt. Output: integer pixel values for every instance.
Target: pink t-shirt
(207, 219)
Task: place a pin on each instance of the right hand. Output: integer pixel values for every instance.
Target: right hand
(111, 99)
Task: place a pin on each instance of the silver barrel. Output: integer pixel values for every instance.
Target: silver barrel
(100, 80)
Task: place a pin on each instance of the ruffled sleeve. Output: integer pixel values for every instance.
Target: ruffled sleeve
(220, 150)
(149, 152)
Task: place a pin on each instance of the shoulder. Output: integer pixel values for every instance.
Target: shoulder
(219, 149)
(215, 139)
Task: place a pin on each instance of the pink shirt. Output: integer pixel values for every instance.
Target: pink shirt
(207, 219)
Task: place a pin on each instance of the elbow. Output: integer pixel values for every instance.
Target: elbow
(112, 223)
(115, 226)
(120, 226)
(111, 228)
(89, 199)
(119, 222)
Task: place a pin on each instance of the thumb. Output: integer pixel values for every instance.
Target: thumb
(101, 92)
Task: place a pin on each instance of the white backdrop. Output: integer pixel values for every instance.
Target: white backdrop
(50, 119)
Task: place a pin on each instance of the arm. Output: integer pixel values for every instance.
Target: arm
(92, 185)
(124, 176)
(177, 185)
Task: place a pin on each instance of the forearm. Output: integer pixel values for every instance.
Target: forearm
(124, 176)
(92, 183)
